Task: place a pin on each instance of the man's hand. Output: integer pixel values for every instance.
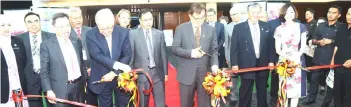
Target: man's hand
(327, 41)
(347, 64)
(166, 78)
(88, 70)
(271, 65)
(214, 69)
(51, 96)
(109, 76)
(196, 53)
(321, 43)
(236, 67)
(125, 68)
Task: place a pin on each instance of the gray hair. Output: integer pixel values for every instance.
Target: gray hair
(104, 16)
(74, 10)
(253, 5)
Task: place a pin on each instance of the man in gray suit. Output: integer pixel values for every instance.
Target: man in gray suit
(149, 52)
(195, 46)
(62, 72)
(78, 31)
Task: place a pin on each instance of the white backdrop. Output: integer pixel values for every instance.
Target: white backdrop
(17, 20)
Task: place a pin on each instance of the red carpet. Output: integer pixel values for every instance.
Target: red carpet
(172, 89)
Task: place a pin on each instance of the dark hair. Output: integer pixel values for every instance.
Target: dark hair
(337, 7)
(196, 8)
(58, 15)
(283, 10)
(322, 18)
(211, 10)
(143, 11)
(310, 10)
(224, 17)
(253, 5)
(29, 14)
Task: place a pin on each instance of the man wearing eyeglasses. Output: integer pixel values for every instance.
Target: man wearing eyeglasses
(195, 46)
(32, 40)
(250, 48)
(110, 53)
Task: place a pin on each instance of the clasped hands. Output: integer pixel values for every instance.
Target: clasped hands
(197, 53)
(117, 66)
(324, 42)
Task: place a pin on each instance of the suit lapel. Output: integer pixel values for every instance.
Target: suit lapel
(115, 44)
(26, 43)
(191, 35)
(76, 47)
(203, 34)
(74, 33)
(56, 45)
(103, 43)
(142, 40)
(262, 36)
(249, 37)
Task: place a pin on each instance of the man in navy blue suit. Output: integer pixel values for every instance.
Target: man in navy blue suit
(219, 27)
(110, 52)
(251, 48)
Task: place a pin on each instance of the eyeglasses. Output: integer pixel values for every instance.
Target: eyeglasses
(234, 14)
(105, 28)
(200, 18)
(150, 19)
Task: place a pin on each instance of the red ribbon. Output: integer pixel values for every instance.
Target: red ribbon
(59, 100)
(254, 69)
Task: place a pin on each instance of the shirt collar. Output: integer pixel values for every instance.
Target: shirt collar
(333, 25)
(38, 34)
(251, 23)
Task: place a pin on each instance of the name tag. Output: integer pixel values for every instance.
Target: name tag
(84, 55)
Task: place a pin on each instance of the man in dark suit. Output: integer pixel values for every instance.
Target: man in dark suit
(195, 46)
(78, 31)
(62, 72)
(149, 40)
(219, 27)
(250, 42)
(13, 61)
(32, 40)
(109, 49)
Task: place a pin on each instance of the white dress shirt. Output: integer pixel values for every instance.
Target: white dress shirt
(256, 39)
(36, 58)
(70, 57)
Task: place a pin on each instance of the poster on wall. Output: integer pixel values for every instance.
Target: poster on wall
(17, 23)
(46, 17)
(273, 9)
(242, 6)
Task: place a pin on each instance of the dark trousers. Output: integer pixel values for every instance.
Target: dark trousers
(187, 93)
(158, 91)
(221, 58)
(328, 97)
(75, 92)
(274, 86)
(342, 87)
(121, 97)
(246, 88)
(90, 97)
(318, 77)
(309, 63)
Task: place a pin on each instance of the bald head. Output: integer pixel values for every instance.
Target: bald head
(235, 14)
(5, 25)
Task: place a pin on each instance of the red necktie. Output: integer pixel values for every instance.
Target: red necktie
(78, 33)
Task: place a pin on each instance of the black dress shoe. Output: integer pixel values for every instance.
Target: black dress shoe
(233, 103)
(309, 102)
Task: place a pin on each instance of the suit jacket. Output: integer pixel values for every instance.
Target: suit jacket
(140, 58)
(219, 27)
(184, 42)
(99, 52)
(53, 72)
(84, 30)
(243, 52)
(32, 78)
(21, 59)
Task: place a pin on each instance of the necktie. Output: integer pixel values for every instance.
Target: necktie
(257, 41)
(35, 52)
(197, 36)
(151, 50)
(78, 33)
